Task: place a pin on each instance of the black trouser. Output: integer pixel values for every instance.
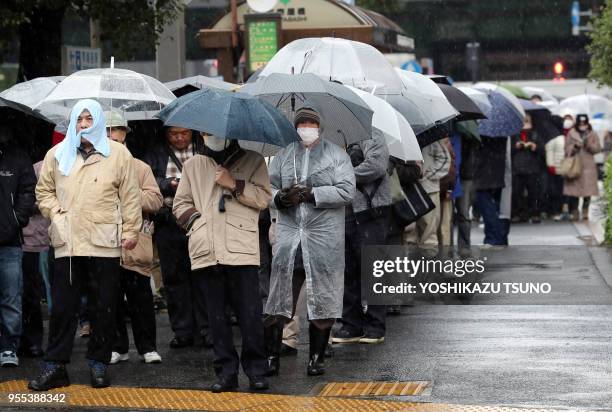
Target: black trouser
(138, 304)
(555, 194)
(31, 315)
(186, 309)
(265, 256)
(532, 183)
(101, 279)
(373, 232)
(237, 287)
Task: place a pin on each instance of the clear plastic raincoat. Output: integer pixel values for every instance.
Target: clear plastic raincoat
(318, 228)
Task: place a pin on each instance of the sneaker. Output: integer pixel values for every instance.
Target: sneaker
(85, 331)
(346, 336)
(151, 357)
(371, 339)
(9, 358)
(117, 357)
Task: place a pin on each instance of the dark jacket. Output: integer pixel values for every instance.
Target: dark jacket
(468, 158)
(490, 163)
(524, 160)
(17, 184)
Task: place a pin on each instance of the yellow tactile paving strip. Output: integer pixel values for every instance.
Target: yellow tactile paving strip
(368, 389)
(114, 398)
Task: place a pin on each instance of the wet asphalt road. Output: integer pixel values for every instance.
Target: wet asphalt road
(522, 355)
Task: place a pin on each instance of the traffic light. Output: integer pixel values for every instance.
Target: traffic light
(558, 70)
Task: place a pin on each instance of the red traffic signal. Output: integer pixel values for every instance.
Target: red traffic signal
(558, 68)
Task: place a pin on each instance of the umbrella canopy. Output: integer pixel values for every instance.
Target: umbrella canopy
(231, 116)
(596, 107)
(548, 100)
(478, 97)
(440, 79)
(345, 117)
(190, 84)
(349, 62)
(544, 124)
(32, 92)
(503, 120)
(515, 90)
(468, 110)
(530, 106)
(469, 129)
(138, 96)
(504, 92)
(400, 137)
(21, 109)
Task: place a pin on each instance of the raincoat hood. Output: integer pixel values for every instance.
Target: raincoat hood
(67, 150)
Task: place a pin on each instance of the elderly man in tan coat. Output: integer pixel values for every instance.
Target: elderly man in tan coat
(88, 189)
(135, 295)
(218, 202)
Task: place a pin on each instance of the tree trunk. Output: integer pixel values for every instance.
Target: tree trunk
(40, 43)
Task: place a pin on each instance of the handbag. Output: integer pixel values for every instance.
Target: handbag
(371, 213)
(571, 167)
(412, 205)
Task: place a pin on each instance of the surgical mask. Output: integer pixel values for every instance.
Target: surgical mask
(214, 143)
(308, 134)
(568, 123)
(583, 128)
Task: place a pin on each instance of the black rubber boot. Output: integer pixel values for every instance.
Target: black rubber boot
(318, 344)
(273, 338)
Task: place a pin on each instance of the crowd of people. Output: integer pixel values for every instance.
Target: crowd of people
(234, 234)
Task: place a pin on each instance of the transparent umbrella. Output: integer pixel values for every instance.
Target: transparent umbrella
(596, 107)
(548, 100)
(33, 91)
(400, 137)
(349, 62)
(479, 97)
(138, 96)
(504, 92)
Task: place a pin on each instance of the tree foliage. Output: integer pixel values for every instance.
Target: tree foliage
(601, 48)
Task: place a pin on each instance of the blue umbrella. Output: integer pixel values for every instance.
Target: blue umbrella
(503, 120)
(231, 116)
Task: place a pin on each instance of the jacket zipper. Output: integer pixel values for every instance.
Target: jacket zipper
(16, 220)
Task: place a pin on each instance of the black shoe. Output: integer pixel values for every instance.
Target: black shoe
(207, 340)
(225, 384)
(318, 344)
(99, 376)
(178, 343)
(53, 376)
(346, 336)
(258, 383)
(273, 339)
(287, 350)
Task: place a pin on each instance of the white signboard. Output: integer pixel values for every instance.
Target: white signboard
(80, 58)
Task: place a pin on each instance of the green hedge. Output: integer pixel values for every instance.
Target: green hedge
(608, 194)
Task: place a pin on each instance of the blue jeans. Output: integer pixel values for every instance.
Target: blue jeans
(487, 202)
(11, 289)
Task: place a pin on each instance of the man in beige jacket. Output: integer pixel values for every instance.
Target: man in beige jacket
(88, 189)
(218, 202)
(135, 295)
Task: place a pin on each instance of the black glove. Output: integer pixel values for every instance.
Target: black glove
(356, 154)
(306, 194)
(287, 197)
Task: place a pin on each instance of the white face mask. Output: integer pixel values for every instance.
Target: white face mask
(214, 143)
(568, 123)
(583, 128)
(308, 134)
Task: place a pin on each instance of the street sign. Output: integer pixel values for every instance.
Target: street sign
(80, 58)
(263, 38)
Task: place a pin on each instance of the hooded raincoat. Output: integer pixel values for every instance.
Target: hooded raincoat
(318, 228)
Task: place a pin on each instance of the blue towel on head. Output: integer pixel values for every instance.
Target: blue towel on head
(66, 152)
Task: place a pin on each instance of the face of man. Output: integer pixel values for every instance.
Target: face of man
(178, 137)
(84, 121)
(118, 134)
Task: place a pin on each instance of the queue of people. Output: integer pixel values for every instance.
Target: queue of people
(199, 201)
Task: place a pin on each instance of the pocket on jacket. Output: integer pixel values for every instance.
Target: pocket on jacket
(198, 238)
(142, 255)
(241, 234)
(58, 230)
(106, 231)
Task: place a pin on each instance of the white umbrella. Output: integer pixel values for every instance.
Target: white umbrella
(480, 98)
(596, 107)
(138, 96)
(504, 92)
(548, 100)
(31, 92)
(349, 62)
(400, 137)
(199, 82)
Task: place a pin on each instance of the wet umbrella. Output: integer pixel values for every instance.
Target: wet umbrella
(346, 118)
(181, 87)
(590, 104)
(400, 137)
(468, 110)
(548, 100)
(504, 92)
(230, 115)
(32, 130)
(530, 106)
(503, 120)
(349, 62)
(478, 97)
(468, 128)
(138, 96)
(32, 92)
(440, 79)
(541, 119)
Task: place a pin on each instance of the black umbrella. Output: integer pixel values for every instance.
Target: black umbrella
(462, 103)
(439, 78)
